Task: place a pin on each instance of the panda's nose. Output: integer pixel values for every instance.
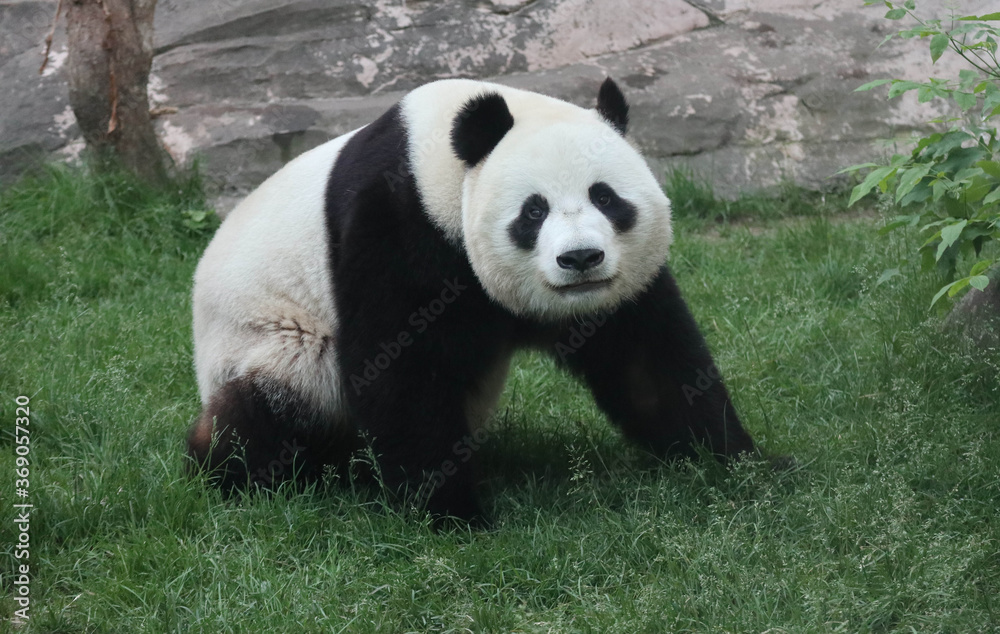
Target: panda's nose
(581, 259)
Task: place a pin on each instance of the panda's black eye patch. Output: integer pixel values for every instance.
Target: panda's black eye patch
(619, 211)
(524, 230)
(535, 207)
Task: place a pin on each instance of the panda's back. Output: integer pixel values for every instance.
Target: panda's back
(263, 294)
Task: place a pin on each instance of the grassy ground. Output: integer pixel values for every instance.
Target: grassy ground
(888, 525)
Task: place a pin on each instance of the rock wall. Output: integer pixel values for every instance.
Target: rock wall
(749, 93)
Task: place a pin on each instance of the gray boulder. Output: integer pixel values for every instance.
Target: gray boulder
(747, 93)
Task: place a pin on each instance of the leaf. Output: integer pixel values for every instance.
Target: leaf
(991, 102)
(895, 14)
(967, 173)
(899, 86)
(993, 197)
(990, 167)
(909, 179)
(859, 166)
(965, 100)
(943, 144)
(875, 177)
(948, 236)
(940, 293)
(979, 281)
(926, 93)
(958, 285)
(961, 158)
(976, 230)
(989, 17)
(939, 189)
(884, 40)
(967, 78)
(872, 84)
(935, 236)
(939, 43)
(899, 221)
(979, 267)
(920, 194)
(979, 187)
(899, 160)
(887, 275)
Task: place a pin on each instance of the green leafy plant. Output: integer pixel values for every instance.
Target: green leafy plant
(199, 220)
(950, 182)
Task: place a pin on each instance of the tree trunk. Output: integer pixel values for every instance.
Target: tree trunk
(978, 313)
(110, 54)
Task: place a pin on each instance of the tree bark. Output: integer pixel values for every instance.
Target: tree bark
(110, 54)
(977, 314)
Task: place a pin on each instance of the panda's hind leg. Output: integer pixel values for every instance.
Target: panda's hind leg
(254, 432)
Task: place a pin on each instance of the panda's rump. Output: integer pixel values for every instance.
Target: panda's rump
(277, 337)
(263, 296)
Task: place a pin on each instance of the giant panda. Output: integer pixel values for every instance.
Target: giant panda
(373, 291)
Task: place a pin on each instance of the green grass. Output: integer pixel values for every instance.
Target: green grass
(888, 525)
(694, 197)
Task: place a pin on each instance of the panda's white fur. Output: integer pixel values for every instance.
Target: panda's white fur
(263, 295)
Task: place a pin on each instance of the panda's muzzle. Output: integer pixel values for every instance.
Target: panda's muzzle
(580, 259)
(584, 286)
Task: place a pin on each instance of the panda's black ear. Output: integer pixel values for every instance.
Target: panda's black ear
(612, 106)
(479, 126)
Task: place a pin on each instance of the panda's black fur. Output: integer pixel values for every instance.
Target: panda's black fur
(390, 261)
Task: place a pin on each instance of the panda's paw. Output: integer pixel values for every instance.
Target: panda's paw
(457, 509)
(451, 523)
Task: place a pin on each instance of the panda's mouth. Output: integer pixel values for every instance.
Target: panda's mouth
(584, 286)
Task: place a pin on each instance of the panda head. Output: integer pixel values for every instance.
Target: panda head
(561, 215)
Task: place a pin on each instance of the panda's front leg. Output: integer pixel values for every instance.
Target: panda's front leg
(651, 371)
(407, 395)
